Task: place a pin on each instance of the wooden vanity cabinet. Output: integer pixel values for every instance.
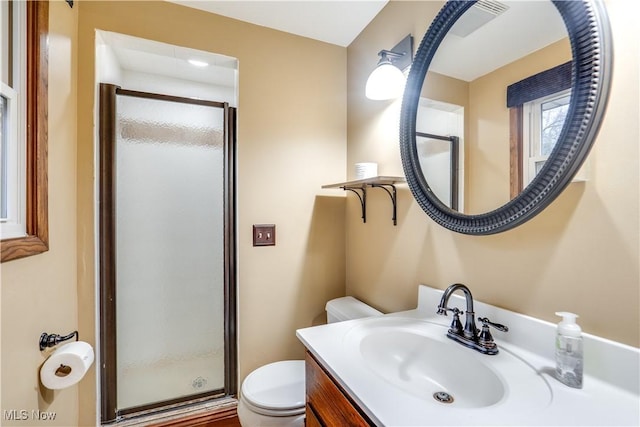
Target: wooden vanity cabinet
(327, 404)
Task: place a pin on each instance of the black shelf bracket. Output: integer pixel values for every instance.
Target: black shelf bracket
(363, 199)
(359, 187)
(361, 192)
(394, 199)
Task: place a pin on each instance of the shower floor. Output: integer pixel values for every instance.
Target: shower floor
(168, 379)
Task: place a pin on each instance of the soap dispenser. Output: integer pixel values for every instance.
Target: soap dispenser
(569, 356)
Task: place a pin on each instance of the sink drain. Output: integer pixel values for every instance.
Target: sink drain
(443, 397)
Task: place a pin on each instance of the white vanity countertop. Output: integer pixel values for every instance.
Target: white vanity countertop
(610, 396)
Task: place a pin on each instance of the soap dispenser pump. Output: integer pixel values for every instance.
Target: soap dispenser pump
(569, 354)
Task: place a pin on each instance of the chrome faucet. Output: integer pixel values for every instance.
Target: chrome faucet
(469, 336)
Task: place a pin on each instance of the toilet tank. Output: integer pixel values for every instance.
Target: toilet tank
(347, 308)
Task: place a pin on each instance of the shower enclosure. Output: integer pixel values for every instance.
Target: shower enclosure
(167, 251)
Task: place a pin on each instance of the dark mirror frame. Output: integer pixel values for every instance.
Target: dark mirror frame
(590, 36)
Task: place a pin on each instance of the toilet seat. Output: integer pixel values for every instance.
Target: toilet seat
(276, 389)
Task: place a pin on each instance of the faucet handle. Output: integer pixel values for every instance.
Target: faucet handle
(485, 339)
(486, 322)
(443, 310)
(456, 325)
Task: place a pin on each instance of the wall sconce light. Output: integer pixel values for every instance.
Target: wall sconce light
(387, 80)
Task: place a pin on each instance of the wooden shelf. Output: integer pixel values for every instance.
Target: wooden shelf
(359, 188)
(380, 180)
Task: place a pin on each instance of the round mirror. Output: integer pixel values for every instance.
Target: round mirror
(502, 104)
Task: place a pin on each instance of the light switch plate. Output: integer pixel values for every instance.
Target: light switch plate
(264, 235)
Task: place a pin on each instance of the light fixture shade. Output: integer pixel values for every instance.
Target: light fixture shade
(385, 82)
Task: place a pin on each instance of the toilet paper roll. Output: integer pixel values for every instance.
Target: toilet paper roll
(67, 365)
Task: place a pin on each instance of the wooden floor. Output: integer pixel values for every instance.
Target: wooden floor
(225, 418)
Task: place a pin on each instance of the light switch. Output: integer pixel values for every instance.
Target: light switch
(264, 235)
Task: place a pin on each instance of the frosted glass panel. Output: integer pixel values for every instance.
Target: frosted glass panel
(435, 161)
(169, 250)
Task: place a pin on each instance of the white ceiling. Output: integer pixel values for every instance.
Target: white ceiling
(333, 21)
(525, 27)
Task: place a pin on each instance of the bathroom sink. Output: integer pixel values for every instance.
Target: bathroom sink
(401, 369)
(424, 366)
(417, 358)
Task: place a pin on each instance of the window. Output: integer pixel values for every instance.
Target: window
(23, 131)
(543, 120)
(12, 111)
(12, 187)
(4, 130)
(538, 106)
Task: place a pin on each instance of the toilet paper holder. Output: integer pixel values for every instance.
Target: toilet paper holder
(51, 340)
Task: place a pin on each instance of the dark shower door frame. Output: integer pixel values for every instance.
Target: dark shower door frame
(107, 256)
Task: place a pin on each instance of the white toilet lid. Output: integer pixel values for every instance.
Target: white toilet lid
(277, 386)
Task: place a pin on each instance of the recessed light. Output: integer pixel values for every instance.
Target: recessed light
(197, 63)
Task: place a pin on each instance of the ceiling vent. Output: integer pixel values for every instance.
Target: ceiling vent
(478, 15)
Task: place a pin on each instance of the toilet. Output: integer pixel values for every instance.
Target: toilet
(274, 394)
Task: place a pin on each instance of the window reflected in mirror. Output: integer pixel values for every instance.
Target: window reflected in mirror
(543, 121)
(538, 107)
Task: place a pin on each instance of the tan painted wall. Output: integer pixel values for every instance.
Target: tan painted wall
(39, 292)
(291, 140)
(446, 89)
(581, 254)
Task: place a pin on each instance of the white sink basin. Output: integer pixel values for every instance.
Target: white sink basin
(417, 358)
(392, 365)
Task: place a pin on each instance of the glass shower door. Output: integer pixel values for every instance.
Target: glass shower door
(170, 248)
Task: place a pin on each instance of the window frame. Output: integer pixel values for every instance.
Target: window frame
(36, 240)
(12, 160)
(532, 133)
(552, 81)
